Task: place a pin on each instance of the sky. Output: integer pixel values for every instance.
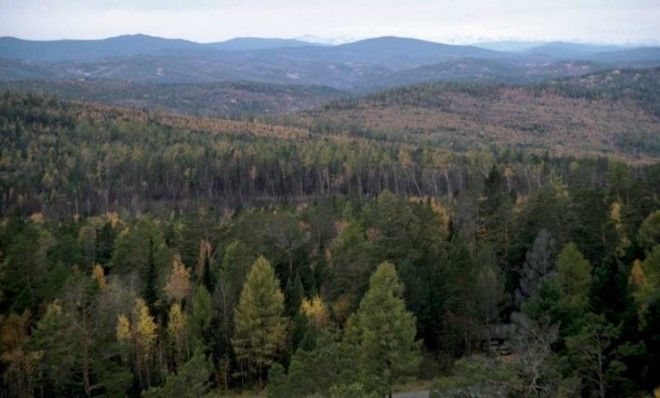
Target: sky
(450, 21)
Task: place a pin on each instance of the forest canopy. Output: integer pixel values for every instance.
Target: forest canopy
(184, 256)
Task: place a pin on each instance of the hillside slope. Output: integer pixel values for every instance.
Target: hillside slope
(547, 117)
(227, 99)
(376, 63)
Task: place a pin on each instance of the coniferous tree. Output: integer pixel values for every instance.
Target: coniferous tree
(383, 332)
(590, 351)
(574, 277)
(190, 381)
(149, 291)
(208, 279)
(314, 370)
(293, 295)
(649, 232)
(201, 318)
(260, 328)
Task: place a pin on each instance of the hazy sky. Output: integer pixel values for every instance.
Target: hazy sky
(455, 21)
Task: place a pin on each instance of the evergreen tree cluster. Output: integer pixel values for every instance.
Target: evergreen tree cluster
(330, 278)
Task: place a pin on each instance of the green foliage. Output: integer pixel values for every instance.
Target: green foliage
(201, 317)
(539, 264)
(645, 279)
(355, 390)
(129, 256)
(293, 295)
(24, 267)
(125, 189)
(590, 351)
(314, 371)
(532, 374)
(75, 321)
(190, 381)
(649, 232)
(478, 376)
(574, 277)
(383, 332)
(260, 328)
(351, 264)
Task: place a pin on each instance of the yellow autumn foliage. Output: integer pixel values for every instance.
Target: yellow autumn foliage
(316, 311)
(99, 276)
(123, 330)
(178, 284)
(146, 327)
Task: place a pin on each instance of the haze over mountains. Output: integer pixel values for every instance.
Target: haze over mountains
(359, 66)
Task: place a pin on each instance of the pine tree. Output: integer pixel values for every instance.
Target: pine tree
(74, 321)
(55, 358)
(383, 332)
(260, 328)
(204, 271)
(574, 276)
(149, 291)
(590, 351)
(208, 279)
(201, 316)
(191, 381)
(293, 295)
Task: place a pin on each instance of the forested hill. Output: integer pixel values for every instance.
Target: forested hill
(615, 115)
(641, 85)
(221, 99)
(180, 255)
(370, 64)
(71, 158)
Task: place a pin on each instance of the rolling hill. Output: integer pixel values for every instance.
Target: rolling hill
(477, 69)
(60, 50)
(369, 64)
(546, 117)
(565, 50)
(226, 99)
(257, 43)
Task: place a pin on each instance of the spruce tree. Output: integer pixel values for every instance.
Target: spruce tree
(383, 332)
(201, 317)
(149, 291)
(260, 328)
(294, 293)
(574, 275)
(208, 279)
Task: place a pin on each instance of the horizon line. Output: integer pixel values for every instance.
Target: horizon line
(333, 41)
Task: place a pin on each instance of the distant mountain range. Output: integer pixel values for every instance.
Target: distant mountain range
(256, 43)
(362, 65)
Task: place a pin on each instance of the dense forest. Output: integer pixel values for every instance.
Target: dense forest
(320, 254)
(228, 99)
